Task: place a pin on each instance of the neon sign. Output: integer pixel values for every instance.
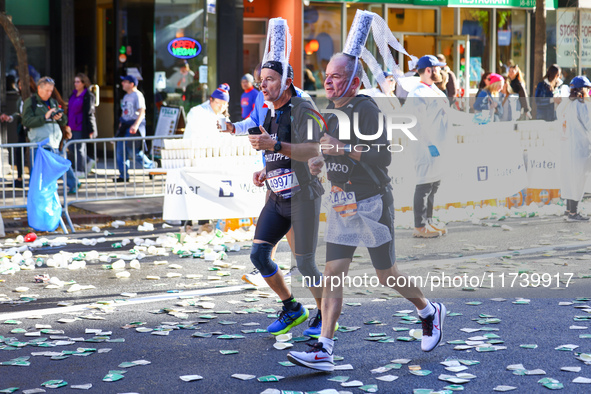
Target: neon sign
(184, 48)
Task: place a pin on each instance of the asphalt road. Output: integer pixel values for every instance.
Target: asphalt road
(533, 246)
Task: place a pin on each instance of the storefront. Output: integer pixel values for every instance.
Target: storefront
(498, 31)
(172, 46)
(568, 33)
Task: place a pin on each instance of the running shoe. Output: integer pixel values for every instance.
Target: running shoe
(254, 278)
(438, 227)
(90, 166)
(317, 357)
(315, 327)
(287, 320)
(433, 328)
(292, 271)
(425, 232)
(577, 217)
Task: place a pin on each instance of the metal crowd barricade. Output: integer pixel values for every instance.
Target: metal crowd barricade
(101, 173)
(15, 196)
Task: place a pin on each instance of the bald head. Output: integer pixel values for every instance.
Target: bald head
(341, 69)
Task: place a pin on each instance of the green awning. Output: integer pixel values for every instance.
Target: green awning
(528, 4)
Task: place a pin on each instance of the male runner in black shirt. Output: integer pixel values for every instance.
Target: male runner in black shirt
(362, 214)
(295, 193)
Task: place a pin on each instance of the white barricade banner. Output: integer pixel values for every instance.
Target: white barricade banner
(543, 167)
(483, 172)
(214, 192)
(473, 171)
(402, 172)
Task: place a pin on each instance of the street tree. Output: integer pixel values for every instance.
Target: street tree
(21, 52)
(540, 42)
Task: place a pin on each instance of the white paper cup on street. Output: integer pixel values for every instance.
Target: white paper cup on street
(282, 345)
(283, 337)
(416, 333)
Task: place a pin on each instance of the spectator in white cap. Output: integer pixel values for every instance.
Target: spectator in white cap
(202, 128)
(131, 122)
(202, 119)
(249, 96)
(430, 106)
(574, 118)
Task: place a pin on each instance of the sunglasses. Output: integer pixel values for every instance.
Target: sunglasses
(47, 79)
(257, 85)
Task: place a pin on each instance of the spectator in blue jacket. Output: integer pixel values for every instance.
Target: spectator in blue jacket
(248, 98)
(545, 92)
(488, 98)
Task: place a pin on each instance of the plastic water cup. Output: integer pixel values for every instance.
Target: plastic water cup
(222, 123)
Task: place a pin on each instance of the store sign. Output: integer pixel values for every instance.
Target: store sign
(567, 30)
(585, 38)
(430, 2)
(184, 48)
(550, 4)
(492, 3)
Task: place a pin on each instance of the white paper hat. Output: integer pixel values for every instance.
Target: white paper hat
(383, 38)
(358, 33)
(278, 46)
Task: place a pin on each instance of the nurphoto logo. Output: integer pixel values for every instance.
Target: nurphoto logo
(394, 123)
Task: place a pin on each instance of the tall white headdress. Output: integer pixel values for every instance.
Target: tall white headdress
(363, 22)
(278, 46)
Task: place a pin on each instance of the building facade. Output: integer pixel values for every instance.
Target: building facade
(181, 49)
(107, 39)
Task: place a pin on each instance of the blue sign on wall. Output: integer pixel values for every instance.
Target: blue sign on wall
(184, 48)
(504, 38)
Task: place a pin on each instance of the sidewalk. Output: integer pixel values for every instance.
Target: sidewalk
(97, 212)
(99, 183)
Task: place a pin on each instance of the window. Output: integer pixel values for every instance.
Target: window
(511, 45)
(177, 80)
(322, 38)
(476, 23)
(412, 20)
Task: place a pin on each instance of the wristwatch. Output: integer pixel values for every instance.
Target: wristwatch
(347, 149)
(277, 147)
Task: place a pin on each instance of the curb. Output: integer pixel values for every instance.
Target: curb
(22, 224)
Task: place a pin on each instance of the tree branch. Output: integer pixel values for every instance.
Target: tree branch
(21, 53)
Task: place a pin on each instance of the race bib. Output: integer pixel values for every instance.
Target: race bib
(343, 202)
(283, 182)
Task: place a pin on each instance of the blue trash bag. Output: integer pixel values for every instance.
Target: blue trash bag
(43, 207)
